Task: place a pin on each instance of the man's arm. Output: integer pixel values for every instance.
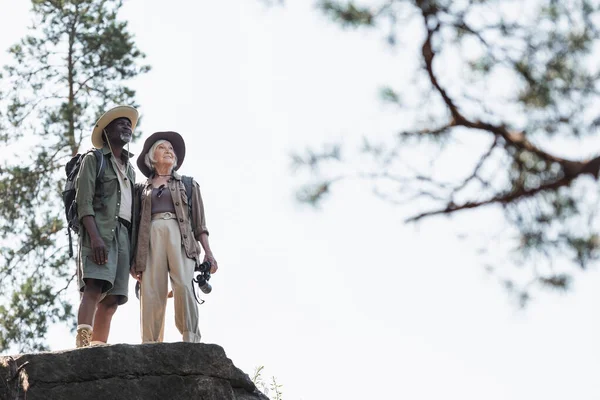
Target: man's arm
(86, 190)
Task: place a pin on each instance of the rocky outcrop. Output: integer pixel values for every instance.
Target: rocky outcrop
(170, 371)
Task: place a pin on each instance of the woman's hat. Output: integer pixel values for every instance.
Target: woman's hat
(176, 141)
(118, 112)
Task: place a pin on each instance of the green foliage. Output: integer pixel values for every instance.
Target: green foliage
(544, 54)
(390, 95)
(69, 69)
(347, 14)
(273, 389)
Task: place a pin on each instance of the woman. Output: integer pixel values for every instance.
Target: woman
(168, 235)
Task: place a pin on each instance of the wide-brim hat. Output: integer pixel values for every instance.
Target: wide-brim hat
(118, 112)
(176, 141)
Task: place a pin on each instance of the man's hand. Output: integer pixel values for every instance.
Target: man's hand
(99, 252)
(213, 263)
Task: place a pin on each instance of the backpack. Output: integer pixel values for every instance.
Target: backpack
(70, 193)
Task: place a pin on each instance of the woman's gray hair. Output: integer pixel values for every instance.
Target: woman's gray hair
(149, 159)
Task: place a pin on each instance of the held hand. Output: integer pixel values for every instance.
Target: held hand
(213, 263)
(99, 251)
(134, 274)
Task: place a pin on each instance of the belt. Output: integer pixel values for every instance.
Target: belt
(164, 215)
(125, 223)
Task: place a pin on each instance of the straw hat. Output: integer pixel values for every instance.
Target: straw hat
(118, 112)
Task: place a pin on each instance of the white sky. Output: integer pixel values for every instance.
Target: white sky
(345, 302)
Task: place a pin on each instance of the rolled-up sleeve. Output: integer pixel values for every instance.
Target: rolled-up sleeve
(198, 217)
(86, 186)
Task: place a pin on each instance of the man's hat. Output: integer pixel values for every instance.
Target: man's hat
(176, 141)
(118, 112)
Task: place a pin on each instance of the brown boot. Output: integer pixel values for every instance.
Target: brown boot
(84, 336)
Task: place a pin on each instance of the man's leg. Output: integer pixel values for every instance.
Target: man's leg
(106, 309)
(117, 295)
(92, 293)
(89, 300)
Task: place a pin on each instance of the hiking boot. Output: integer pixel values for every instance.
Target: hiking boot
(84, 337)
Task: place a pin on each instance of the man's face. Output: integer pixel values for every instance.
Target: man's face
(119, 131)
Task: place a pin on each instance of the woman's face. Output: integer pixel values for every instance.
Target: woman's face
(164, 154)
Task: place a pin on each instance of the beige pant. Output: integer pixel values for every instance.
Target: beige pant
(166, 259)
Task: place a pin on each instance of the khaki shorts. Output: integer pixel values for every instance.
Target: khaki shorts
(115, 273)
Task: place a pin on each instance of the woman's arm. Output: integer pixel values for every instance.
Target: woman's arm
(199, 225)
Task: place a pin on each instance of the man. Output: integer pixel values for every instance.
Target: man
(106, 211)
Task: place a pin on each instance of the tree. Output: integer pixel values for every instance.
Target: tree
(525, 92)
(69, 69)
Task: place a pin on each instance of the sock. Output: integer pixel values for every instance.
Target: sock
(84, 326)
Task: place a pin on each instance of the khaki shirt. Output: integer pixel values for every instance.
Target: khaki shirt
(197, 224)
(126, 194)
(105, 209)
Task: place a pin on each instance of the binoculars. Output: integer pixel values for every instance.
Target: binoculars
(203, 277)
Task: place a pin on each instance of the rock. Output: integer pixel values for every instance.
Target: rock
(170, 371)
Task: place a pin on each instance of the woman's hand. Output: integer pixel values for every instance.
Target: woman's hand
(213, 263)
(135, 274)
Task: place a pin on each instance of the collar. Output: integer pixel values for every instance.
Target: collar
(106, 151)
(174, 174)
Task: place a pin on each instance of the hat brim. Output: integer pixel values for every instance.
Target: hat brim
(118, 112)
(176, 141)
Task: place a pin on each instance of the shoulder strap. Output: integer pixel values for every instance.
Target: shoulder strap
(188, 181)
(100, 168)
(100, 163)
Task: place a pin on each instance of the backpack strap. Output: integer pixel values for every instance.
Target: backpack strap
(100, 168)
(188, 182)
